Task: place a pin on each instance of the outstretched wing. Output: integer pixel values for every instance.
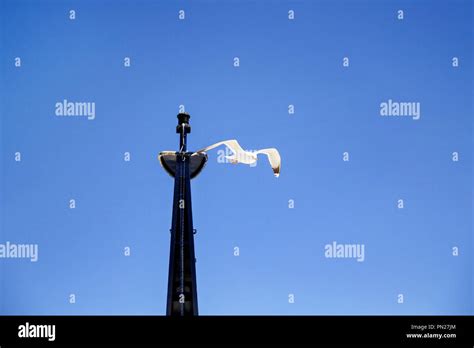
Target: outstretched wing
(233, 145)
(274, 159)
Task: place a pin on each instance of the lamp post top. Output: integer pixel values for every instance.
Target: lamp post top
(183, 120)
(168, 159)
(183, 128)
(183, 117)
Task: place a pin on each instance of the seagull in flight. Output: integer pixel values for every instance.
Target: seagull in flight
(239, 155)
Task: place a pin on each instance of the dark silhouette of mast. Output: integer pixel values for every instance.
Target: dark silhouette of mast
(182, 288)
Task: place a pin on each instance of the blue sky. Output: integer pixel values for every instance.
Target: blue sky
(118, 204)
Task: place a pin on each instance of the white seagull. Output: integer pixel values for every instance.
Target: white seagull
(241, 156)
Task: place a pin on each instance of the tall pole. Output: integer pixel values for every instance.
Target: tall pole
(182, 292)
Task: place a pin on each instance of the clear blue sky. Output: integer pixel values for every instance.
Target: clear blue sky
(407, 251)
